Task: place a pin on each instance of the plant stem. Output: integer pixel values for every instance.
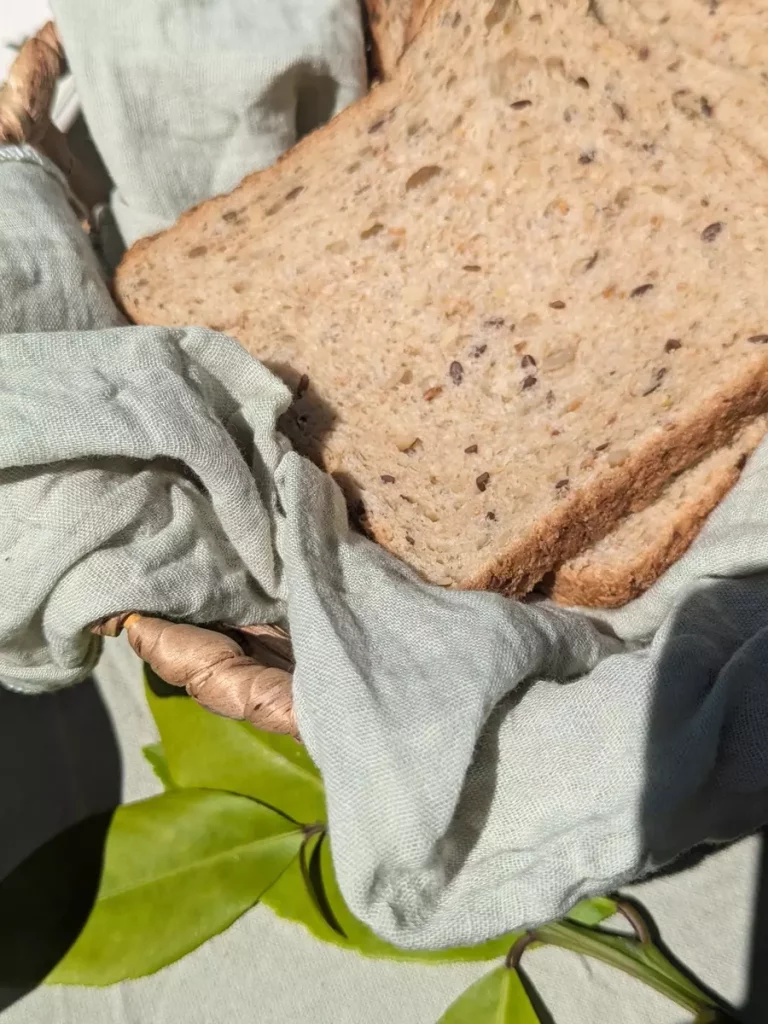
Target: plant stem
(608, 948)
(313, 830)
(632, 915)
(515, 954)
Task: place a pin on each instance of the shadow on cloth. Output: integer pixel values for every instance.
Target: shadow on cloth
(707, 750)
(60, 779)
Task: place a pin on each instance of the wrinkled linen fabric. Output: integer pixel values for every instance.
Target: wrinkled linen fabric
(487, 762)
(184, 99)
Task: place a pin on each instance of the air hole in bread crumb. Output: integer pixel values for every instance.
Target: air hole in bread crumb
(497, 13)
(422, 176)
(196, 251)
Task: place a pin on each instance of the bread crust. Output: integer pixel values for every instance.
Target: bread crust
(610, 585)
(589, 515)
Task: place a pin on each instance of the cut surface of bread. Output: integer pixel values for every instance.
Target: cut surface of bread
(419, 9)
(646, 543)
(516, 289)
(388, 20)
(713, 57)
(394, 23)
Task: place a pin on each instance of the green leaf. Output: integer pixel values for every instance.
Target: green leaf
(497, 998)
(206, 751)
(154, 755)
(178, 869)
(592, 912)
(291, 899)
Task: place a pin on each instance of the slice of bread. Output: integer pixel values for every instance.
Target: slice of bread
(419, 10)
(394, 23)
(515, 288)
(645, 544)
(388, 20)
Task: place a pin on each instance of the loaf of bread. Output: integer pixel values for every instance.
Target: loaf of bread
(515, 289)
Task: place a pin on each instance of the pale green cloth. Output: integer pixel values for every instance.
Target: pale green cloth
(184, 99)
(487, 763)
